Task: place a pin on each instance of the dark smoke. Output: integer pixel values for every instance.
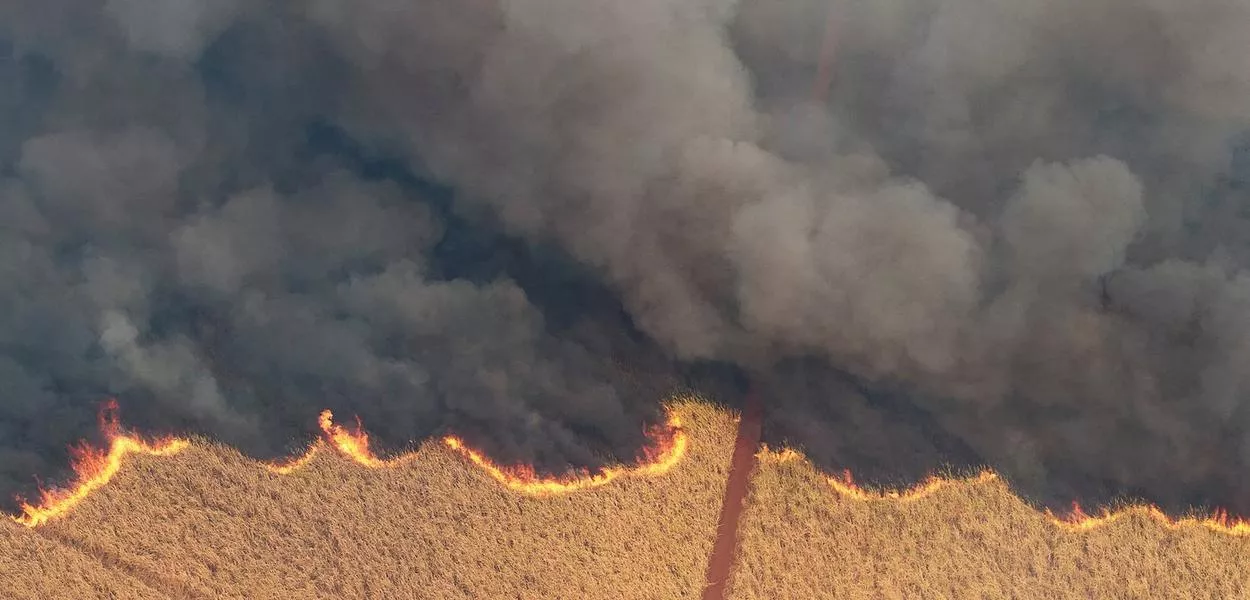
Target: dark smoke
(1013, 234)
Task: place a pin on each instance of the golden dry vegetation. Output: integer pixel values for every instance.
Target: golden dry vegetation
(34, 566)
(802, 539)
(210, 523)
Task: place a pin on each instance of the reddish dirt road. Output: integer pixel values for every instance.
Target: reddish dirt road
(748, 441)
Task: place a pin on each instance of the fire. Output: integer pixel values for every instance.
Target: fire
(784, 455)
(670, 443)
(846, 486)
(1219, 521)
(845, 483)
(289, 466)
(1077, 521)
(670, 446)
(352, 443)
(94, 468)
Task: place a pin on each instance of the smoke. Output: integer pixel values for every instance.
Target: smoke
(185, 230)
(1011, 234)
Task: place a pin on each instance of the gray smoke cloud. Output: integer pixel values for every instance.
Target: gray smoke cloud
(182, 230)
(1011, 234)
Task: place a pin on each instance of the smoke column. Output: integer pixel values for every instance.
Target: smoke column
(1010, 234)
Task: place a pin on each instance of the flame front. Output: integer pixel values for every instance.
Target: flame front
(286, 467)
(1219, 521)
(94, 467)
(354, 444)
(846, 486)
(1076, 521)
(670, 444)
(351, 443)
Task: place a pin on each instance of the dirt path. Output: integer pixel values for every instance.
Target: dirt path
(748, 441)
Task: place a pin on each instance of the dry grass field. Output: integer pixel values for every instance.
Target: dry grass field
(802, 539)
(209, 523)
(33, 567)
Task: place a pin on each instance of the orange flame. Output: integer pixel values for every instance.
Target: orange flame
(351, 443)
(286, 467)
(845, 483)
(668, 450)
(1078, 520)
(94, 468)
(1219, 521)
(784, 455)
(846, 486)
(354, 444)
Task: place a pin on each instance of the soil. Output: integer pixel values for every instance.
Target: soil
(744, 458)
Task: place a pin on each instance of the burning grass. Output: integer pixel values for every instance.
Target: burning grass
(189, 518)
(208, 522)
(95, 468)
(808, 536)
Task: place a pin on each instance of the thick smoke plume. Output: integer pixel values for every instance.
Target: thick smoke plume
(1011, 234)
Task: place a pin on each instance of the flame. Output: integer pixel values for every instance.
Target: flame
(94, 468)
(1219, 521)
(286, 467)
(669, 448)
(352, 443)
(846, 486)
(784, 455)
(1076, 521)
(845, 483)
